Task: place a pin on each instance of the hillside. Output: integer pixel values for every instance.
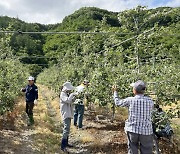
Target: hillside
(97, 20)
(87, 19)
(24, 46)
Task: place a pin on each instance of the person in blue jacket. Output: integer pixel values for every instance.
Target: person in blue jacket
(31, 91)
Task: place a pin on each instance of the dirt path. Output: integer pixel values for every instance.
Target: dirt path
(98, 137)
(15, 136)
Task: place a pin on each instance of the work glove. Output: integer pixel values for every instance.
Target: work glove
(76, 93)
(35, 102)
(114, 88)
(23, 90)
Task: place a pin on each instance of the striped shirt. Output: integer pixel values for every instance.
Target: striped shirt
(140, 109)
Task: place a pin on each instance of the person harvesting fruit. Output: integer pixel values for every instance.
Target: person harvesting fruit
(67, 97)
(138, 126)
(83, 95)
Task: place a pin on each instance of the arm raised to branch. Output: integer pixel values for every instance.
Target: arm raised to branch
(117, 100)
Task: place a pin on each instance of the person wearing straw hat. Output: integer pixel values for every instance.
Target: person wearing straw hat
(31, 91)
(138, 127)
(83, 95)
(67, 97)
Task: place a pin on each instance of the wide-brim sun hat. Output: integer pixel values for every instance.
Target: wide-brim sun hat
(68, 86)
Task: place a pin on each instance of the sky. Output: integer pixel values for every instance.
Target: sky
(53, 11)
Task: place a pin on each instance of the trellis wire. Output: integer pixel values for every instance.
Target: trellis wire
(75, 32)
(48, 32)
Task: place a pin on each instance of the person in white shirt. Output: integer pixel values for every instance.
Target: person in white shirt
(66, 107)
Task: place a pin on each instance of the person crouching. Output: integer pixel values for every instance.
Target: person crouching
(66, 107)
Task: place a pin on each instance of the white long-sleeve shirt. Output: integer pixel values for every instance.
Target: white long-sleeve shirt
(140, 108)
(66, 105)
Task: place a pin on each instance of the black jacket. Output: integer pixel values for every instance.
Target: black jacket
(31, 93)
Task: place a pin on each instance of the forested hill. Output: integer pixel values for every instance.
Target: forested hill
(86, 19)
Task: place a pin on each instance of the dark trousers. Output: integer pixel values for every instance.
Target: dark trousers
(29, 108)
(66, 129)
(78, 115)
(145, 142)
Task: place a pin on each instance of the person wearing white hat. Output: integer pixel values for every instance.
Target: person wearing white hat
(31, 91)
(67, 97)
(138, 127)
